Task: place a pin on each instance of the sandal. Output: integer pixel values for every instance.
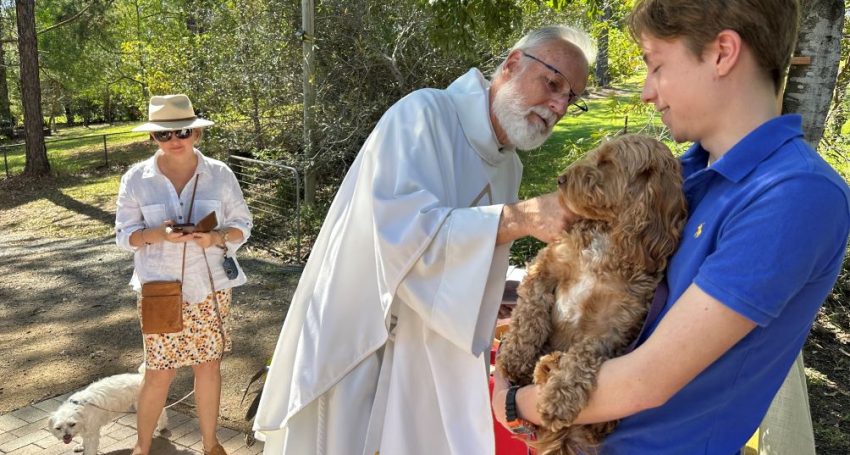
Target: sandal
(217, 450)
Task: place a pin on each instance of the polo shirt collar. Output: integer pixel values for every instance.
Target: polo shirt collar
(151, 169)
(750, 151)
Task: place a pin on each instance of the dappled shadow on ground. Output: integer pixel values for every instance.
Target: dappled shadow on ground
(827, 359)
(19, 190)
(96, 213)
(68, 317)
(159, 446)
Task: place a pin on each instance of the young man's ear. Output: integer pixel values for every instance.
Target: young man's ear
(726, 51)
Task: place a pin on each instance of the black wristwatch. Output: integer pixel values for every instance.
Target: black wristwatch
(514, 423)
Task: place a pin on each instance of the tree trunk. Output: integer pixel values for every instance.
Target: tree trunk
(603, 77)
(108, 110)
(307, 25)
(36, 160)
(69, 113)
(809, 87)
(255, 115)
(839, 112)
(5, 111)
(143, 69)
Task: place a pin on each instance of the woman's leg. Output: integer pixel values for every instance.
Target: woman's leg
(152, 398)
(207, 398)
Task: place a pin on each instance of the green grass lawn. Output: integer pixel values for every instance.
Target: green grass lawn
(76, 149)
(610, 112)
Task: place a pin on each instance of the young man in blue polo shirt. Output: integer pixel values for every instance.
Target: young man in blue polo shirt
(764, 242)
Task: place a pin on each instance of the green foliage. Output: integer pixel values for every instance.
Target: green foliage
(624, 56)
(458, 26)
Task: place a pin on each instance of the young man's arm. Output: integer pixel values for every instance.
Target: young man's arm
(696, 331)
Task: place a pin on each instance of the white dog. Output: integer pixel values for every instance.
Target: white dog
(86, 411)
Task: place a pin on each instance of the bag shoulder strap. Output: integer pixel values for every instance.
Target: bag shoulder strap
(188, 219)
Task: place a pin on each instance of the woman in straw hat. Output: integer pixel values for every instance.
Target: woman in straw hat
(178, 185)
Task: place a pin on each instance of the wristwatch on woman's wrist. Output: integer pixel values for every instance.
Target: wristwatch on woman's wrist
(514, 423)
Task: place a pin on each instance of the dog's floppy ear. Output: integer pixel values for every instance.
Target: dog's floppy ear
(649, 229)
(586, 186)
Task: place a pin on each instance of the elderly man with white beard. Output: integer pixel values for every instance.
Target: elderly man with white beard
(382, 347)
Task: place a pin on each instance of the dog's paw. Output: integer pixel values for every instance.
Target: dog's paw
(79, 448)
(545, 366)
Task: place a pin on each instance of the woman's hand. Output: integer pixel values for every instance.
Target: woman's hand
(159, 234)
(207, 239)
(165, 233)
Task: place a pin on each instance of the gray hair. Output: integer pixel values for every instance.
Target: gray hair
(543, 35)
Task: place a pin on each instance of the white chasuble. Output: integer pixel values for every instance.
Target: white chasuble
(383, 345)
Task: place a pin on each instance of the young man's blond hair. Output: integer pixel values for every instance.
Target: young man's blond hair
(771, 36)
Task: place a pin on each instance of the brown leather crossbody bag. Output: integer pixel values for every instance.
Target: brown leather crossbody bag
(162, 307)
(162, 301)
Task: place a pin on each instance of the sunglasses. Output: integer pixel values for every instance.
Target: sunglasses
(165, 136)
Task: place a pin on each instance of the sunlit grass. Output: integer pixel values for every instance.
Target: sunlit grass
(72, 150)
(610, 112)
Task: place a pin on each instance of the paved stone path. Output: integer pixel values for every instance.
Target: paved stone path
(24, 432)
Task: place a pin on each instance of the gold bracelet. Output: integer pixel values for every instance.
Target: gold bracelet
(223, 234)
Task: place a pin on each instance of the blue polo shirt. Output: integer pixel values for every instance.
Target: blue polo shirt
(766, 232)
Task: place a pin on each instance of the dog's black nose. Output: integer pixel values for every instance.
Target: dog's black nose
(562, 179)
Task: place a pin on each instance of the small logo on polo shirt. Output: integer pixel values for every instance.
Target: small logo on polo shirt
(699, 231)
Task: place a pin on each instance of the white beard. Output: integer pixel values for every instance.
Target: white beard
(513, 117)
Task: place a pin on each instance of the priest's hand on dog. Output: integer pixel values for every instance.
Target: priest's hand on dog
(544, 218)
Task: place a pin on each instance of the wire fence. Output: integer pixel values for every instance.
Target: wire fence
(81, 153)
(272, 191)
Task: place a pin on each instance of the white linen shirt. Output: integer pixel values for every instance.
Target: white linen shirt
(146, 198)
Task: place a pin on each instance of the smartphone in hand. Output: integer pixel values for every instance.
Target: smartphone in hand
(184, 228)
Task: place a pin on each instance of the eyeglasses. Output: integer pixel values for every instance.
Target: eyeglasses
(165, 136)
(575, 104)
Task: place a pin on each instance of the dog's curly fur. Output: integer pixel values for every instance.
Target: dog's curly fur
(586, 294)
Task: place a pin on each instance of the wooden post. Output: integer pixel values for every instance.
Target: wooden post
(309, 85)
(801, 60)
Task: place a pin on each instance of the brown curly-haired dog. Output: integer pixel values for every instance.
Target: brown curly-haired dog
(586, 294)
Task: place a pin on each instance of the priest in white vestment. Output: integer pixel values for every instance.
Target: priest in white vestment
(382, 347)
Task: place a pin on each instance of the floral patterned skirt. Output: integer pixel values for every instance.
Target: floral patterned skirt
(199, 342)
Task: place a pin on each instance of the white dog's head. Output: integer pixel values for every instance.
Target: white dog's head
(67, 422)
